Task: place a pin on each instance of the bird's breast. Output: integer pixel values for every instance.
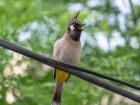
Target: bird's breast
(70, 52)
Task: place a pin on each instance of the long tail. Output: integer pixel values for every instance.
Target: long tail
(57, 94)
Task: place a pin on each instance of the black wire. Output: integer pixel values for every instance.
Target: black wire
(99, 75)
(60, 65)
(87, 71)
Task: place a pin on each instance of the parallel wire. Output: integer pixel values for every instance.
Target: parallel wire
(79, 72)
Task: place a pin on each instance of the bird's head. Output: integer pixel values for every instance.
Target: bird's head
(75, 28)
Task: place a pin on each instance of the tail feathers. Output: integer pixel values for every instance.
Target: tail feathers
(57, 94)
(55, 103)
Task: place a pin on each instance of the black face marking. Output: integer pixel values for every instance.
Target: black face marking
(75, 28)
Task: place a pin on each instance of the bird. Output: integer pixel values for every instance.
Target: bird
(67, 49)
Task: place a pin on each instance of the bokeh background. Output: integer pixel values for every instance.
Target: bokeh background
(111, 45)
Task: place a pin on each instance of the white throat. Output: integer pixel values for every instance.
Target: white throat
(72, 27)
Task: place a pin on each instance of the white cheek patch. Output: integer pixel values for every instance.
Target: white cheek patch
(72, 27)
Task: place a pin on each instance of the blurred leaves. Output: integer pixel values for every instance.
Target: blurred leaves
(37, 24)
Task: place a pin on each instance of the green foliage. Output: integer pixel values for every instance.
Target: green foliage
(37, 24)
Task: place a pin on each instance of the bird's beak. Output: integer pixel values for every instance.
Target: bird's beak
(81, 26)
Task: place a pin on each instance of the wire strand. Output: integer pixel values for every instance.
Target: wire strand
(88, 77)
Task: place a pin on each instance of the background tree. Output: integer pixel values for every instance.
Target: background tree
(111, 45)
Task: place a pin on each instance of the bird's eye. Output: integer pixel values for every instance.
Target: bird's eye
(75, 24)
